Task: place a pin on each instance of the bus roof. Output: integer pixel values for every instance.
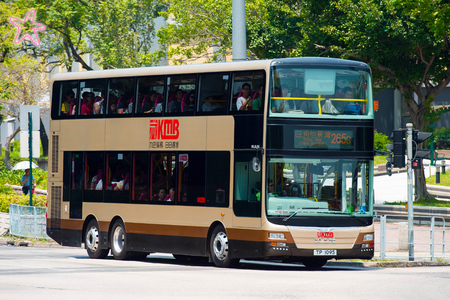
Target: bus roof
(211, 67)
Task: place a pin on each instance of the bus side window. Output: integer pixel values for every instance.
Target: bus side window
(67, 95)
(179, 87)
(91, 92)
(245, 91)
(213, 92)
(121, 96)
(247, 202)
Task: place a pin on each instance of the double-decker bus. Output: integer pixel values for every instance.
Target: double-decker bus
(268, 159)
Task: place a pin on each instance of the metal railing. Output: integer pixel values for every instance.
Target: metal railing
(403, 237)
(28, 221)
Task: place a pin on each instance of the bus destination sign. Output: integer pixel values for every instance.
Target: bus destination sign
(323, 139)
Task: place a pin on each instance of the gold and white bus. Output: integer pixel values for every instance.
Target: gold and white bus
(268, 159)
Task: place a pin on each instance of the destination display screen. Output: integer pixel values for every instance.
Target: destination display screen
(323, 139)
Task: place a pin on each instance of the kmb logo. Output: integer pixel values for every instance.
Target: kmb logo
(326, 235)
(166, 129)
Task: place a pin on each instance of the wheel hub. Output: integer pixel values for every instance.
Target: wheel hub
(118, 239)
(92, 239)
(220, 246)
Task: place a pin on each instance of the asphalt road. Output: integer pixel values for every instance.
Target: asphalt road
(67, 273)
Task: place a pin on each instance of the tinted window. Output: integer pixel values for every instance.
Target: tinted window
(150, 95)
(91, 92)
(120, 96)
(179, 88)
(213, 92)
(247, 91)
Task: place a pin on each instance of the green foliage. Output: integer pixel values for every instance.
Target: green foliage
(381, 140)
(442, 138)
(13, 198)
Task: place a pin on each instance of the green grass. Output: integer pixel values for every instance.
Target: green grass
(380, 160)
(435, 203)
(444, 180)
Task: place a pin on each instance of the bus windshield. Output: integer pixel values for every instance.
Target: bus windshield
(297, 91)
(320, 187)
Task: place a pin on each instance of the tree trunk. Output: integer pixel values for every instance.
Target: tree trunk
(421, 191)
(7, 159)
(44, 139)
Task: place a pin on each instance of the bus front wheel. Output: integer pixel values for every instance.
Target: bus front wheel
(119, 241)
(219, 248)
(314, 263)
(92, 241)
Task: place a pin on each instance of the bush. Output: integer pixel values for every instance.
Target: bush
(381, 140)
(442, 138)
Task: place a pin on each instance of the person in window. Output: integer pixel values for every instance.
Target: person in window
(161, 195)
(149, 103)
(88, 107)
(258, 98)
(98, 105)
(171, 196)
(158, 103)
(284, 105)
(352, 107)
(244, 101)
(184, 197)
(296, 93)
(122, 104)
(67, 101)
(175, 105)
(189, 105)
(270, 191)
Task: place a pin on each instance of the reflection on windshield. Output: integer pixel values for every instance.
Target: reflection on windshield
(319, 186)
(301, 92)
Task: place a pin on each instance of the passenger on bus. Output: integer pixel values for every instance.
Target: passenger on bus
(122, 103)
(282, 105)
(189, 105)
(88, 107)
(171, 196)
(149, 102)
(161, 195)
(245, 101)
(158, 103)
(270, 191)
(184, 197)
(175, 105)
(66, 104)
(258, 98)
(351, 107)
(98, 105)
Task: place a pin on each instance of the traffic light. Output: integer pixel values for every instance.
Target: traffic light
(397, 148)
(419, 137)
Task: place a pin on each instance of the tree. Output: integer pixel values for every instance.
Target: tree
(119, 33)
(197, 26)
(26, 85)
(406, 43)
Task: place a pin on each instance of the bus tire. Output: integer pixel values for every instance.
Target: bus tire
(314, 263)
(92, 241)
(219, 249)
(119, 241)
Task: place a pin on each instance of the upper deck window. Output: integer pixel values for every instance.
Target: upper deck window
(311, 93)
(120, 96)
(180, 88)
(149, 95)
(67, 93)
(248, 91)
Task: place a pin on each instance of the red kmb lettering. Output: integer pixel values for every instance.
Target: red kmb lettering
(167, 129)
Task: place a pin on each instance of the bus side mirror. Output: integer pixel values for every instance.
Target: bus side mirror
(256, 164)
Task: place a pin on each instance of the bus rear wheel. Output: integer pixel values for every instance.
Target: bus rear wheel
(92, 240)
(119, 241)
(219, 249)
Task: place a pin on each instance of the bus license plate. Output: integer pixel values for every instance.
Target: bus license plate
(325, 252)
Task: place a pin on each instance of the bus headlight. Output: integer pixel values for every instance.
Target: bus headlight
(276, 236)
(368, 237)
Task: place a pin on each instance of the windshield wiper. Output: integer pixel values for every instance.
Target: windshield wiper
(296, 212)
(351, 215)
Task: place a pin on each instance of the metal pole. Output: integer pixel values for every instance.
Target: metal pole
(438, 174)
(432, 239)
(30, 146)
(409, 134)
(382, 237)
(443, 166)
(239, 31)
